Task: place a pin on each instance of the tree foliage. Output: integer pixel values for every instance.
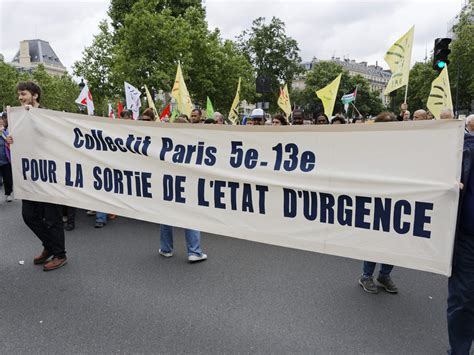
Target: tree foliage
(272, 53)
(145, 49)
(323, 73)
(462, 52)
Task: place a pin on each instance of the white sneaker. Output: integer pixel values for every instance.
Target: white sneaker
(9, 198)
(166, 255)
(193, 257)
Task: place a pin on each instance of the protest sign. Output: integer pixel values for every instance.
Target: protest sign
(382, 192)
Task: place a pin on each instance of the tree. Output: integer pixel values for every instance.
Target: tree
(324, 72)
(8, 80)
(95, 66)
(149, 45)
(272, 53)
(120, 8)
(462, 52)
(419, 87)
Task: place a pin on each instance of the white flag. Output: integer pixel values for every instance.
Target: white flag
(85, 98)
(111, 111)
(132, 95)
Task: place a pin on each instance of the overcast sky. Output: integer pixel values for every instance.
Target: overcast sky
(360, 30)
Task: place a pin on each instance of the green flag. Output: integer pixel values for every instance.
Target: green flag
(174, 114)
(209, 108)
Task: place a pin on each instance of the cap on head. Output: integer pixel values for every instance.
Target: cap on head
(257, 113)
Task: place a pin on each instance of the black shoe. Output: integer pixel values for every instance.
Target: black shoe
(69, 227)
(99, 224)
(368, 284)
(387, 284)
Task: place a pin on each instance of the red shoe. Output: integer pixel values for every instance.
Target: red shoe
(54, 264)
(41, 259)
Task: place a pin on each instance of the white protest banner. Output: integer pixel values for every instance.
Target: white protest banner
(385, 192)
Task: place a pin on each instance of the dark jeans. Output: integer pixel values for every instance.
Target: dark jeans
(369, 268)
(6, 172)
(45, 220)
(70, 213)
(461, 296)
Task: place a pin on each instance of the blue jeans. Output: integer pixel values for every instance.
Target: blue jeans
(461, 296)
(193, 240)
(101, 217)
(369, 268)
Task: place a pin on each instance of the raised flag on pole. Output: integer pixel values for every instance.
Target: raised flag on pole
(328, 95)
(284, 100)
(119, 108)
(234, 109)
(151, 103)
(85, 99)
(132, 96)
(398, 58)
(209, 108)
(348, 98)
(180, 93)
(166, 112)
(111, 111)
(440, 94)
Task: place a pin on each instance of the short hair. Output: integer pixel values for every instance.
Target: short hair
(209, 121)
(182, 118)
(446, 112)
(280, 118)
(341, 119)
(30, 86)
(321, 114)
(198, 110)
(385, 117)
(125, 113)
(218, 115)
(355, 119)
(149, 112)
(469, 119)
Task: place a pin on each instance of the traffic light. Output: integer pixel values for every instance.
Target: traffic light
(263, 84)
(441, 53)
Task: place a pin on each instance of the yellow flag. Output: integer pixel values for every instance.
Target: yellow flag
(328, 95)
(284, 101)
(234, 109)
(398, 58)
(151, 104)
(180, 93)
(440, 94)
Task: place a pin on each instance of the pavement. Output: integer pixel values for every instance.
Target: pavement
(117, 295)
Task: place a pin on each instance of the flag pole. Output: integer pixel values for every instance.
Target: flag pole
(406, 93)
(356, 108)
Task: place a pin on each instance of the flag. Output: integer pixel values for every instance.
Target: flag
(440, 94)
(85, 99)
(174, 114)
(234, 109)
(209, 108)
(328, 95)
(166, 112)
(111, 111)
(132, 96)
(284, 100)
(180, 93)
(398, 58)
(151, 103)
(348, 98)
(119, 108)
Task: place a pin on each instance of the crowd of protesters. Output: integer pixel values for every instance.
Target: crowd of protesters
(48, 221)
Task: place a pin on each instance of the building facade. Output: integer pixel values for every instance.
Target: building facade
(34, 52)
(378, 77)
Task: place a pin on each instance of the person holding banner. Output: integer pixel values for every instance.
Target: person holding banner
(279, 120)
(193, 237)
(5, 164)
(44, 219)
(298, 117)
(257, 118)
(366, 281)
(460, 312)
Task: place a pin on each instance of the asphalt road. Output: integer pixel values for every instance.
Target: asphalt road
(117, 295)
